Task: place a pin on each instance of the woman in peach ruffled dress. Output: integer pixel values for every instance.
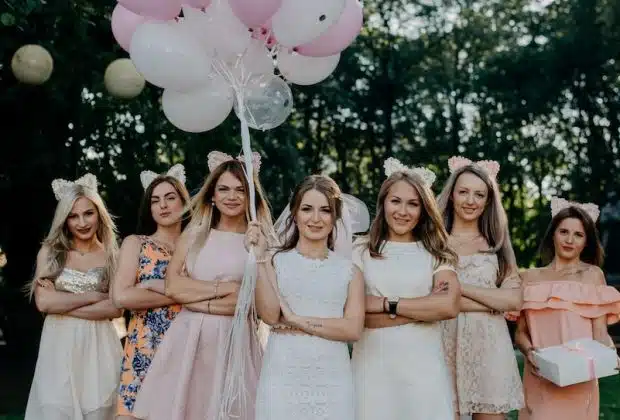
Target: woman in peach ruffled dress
(563, 301)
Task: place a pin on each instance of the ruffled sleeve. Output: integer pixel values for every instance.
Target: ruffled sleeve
(588, 300)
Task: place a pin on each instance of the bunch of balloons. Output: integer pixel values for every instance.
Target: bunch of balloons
(213, 56)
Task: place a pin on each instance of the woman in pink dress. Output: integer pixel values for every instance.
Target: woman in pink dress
(187, 374)
(477, 343)
(565, 300)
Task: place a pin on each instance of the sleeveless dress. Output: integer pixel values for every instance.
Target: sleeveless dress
(186, 375)
(146, 327)
(400, 372)
(306, 377)
(479, 349)
(557, 312)
(76, 375)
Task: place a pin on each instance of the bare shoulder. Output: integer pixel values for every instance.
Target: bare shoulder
(594, 275)
(531, 275)
(131, 241)
(43, 253)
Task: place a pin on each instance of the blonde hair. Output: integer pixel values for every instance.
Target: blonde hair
(205, 215)
(58, 240)
(429, 229)
(493, 223)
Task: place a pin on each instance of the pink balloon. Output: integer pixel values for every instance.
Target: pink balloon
(255, 12)
(339, 36)
(124, 24)
(197, 4)
(156, 9)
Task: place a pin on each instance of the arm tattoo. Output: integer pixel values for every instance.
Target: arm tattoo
(314, 324)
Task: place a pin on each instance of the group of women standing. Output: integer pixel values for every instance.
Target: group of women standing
(423, 298)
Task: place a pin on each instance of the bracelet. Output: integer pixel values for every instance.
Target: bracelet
(217, 285)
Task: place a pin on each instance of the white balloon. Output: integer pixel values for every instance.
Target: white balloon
(122, 80)
(168, 57)
(298, 22)
(200, 25)
(303, 70)
(268, 101)
(201, 109)
(233, 37)
(255, 61)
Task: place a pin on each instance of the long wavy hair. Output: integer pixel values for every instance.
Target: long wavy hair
(58, 240)
(592, 252)
(429, 229)
(492, 223)
(205, 215)
(326, 186)
(146, 223)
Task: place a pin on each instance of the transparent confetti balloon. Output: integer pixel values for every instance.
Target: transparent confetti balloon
(268, 102)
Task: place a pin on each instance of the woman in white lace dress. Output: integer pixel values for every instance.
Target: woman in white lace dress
(477, 343)
(399, 366)
(314, 300)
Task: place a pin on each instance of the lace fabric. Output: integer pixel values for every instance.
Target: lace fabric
(306, 377)
(479, 350)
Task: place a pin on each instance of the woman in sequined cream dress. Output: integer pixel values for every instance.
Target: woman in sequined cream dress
(477, 342)
(139, 280)
(76, 375)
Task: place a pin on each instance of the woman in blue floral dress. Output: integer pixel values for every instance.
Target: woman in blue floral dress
(139, 281)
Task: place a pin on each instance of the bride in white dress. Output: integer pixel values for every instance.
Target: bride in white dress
(314, 300)
(399, 367)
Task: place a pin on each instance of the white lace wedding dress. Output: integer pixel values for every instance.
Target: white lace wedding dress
(306, 377)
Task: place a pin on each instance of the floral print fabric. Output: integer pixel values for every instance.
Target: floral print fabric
(146, 327)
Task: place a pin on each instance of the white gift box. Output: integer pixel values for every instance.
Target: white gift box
(576, 361)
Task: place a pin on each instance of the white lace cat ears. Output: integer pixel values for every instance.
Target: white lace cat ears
(558, 204)
(215, 159)
(177, 172)
(393, 165)
(491, 167)
(62, 187)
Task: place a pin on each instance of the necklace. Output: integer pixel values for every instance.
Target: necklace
(82, 253)
(578, 268)
(461, 239)
(319, 258)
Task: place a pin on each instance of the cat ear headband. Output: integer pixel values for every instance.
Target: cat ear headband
(62, 187)
(491, 167)
(558, 204)
(177, 172)
(215, 159)
(392, 165)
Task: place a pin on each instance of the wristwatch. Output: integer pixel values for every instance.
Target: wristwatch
(392, 305)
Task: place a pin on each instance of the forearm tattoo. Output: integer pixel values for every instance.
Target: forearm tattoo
(312, 324)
